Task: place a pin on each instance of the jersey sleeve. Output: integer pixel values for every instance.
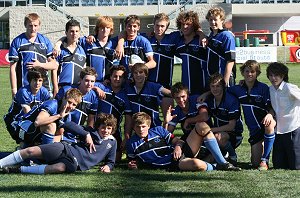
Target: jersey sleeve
(229, 46)
(147, 47)
(130, 150)
(92, 109)
(23, 97)
(13, 54)
(49, 106)
(234, 109)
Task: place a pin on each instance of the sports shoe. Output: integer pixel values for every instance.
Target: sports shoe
(263, 166)
(232, 160)
(7, 170)
(227, 167)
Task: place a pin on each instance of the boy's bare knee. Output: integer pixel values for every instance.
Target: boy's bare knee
(202, 129)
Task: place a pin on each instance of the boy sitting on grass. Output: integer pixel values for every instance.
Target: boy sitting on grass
(159, 148)
(60, 157)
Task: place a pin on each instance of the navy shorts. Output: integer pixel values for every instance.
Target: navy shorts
(59, 153)
(257, 137)
(286, 150)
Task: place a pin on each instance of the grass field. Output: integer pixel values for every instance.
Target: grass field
(149, 183)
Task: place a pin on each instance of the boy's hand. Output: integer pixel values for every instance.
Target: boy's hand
(64, 111)
(177, 152)
(90, 143)
(169, 115)
(90, 39)
(105, 169)
(267, 120)
(132, 164)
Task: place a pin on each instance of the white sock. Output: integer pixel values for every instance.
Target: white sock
(11, 159)
(39, 169)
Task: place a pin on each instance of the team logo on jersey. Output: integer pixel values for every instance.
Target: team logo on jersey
(136, 50)
(196, 48)
(108, 146)
(42, 46)
(156, 140)
(120, 103)
(168, 48)
(147, 98)
(80, 58)
(258, 99)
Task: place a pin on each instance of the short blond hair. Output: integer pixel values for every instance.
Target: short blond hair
(104, 21)
(31, 17)
(141, 118)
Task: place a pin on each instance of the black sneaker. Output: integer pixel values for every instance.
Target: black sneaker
(227, 167)
(7, 170)
(232, 161)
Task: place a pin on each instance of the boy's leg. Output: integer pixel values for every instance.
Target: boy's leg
(269, 138)
(20, 155)
(48, 132)
(194, 164)
(294, 159)
(279, 157)
(256, 151)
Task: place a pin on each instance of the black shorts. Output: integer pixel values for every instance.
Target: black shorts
(257, 137)
(186, 153)
(59, 153)
(28, 133)
(235, 140)
(10, 128)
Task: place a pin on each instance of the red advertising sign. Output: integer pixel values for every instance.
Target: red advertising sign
(295, 54)
(4, 57)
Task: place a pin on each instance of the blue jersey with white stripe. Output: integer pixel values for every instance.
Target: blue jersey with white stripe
(164, 52)
(147, 100)
(256, 104)
(221, 48)
(193, 67)
(88, 105)
(181, 116)
(228, 109)
(114, 103)
(156, 150)
(70, 65)
(23, 51)
(139, 46)
(24, 96)
(99, 57)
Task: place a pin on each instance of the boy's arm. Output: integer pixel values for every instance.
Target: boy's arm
(178, 143)
(228, 71)
(56, 49)
(169, 117)
(110, 160)
(225, 128)
(13, 79)
(151, 63)
(44, 118)
(127, 130)
(54, 82)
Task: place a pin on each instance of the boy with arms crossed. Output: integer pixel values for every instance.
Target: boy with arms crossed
(29, 50)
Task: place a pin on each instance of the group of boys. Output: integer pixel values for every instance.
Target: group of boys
(81, 126)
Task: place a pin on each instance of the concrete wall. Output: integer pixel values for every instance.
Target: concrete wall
(52, 22)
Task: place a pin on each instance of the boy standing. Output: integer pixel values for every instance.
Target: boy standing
(193, 55)
(29, 50)
(221, 47)
(254, 98)
(285, 99)
(71, 59)
(135, 44)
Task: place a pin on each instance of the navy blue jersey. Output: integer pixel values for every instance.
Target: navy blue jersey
(255, 104)
(88, 105)
(148, 100)
(194, 65)
(221, 48)
(114, 103)
(181, 116)
(98, 57)
(228, 109)
(156, 150)
(24, 96)
(23, 51)
(139, 46)
(70, 65)
(164, 52)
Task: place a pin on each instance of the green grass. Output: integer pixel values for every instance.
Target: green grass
(149, 183)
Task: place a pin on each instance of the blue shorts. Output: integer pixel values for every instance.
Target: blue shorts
(58, 152)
